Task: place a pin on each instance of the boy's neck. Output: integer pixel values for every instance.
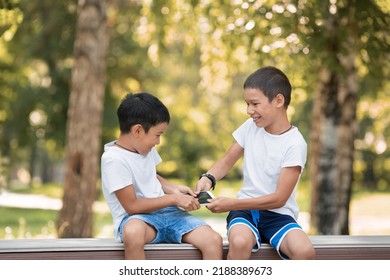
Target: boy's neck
(279, 129)
(124, 144)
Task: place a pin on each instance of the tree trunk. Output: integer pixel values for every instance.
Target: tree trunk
(84, 120)
(333, 135)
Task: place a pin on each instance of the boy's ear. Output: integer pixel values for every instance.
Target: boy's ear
(279, 98)
(136, 129)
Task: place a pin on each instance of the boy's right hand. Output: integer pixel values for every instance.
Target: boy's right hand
(187, 202)
(203, 184)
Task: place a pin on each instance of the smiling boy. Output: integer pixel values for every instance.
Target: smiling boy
(274, 153)
(145, 206)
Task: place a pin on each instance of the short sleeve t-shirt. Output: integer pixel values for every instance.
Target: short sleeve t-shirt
(265, 155)
(121, 168)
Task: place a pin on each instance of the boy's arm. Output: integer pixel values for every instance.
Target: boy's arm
(134, 205)
(287, 180)
(221, 167)
(170, 188)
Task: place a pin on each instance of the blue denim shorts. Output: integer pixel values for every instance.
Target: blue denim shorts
(171, 223)
(267, 226)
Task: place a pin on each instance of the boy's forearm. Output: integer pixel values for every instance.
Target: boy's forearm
(147, 205)
(224, 204)
(219, 169)
(226, 163)
(167, 186)
(266, 202)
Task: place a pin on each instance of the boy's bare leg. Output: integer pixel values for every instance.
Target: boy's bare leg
(136, 234)
(297, 246)
(208, 241)
(241, 241)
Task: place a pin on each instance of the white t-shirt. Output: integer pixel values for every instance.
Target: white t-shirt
(121, 168)
(265, 155)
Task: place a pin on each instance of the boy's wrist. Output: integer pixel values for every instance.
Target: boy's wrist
(211, 178)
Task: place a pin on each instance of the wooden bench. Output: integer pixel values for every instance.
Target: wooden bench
(330, 247)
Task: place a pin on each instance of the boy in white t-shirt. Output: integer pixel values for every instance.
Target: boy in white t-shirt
(145, 206)
(274, 153)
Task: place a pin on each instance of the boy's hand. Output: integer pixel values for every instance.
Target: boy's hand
(187, 202)
(204, 184)
(185, 190)
(179, 189)
(221, 204)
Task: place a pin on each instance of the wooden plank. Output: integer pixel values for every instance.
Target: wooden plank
(327, 247)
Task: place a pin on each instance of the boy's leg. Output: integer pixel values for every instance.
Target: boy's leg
(241, 242)
(297, 246)
(243, 235)
(285, 235)
(136, 233)
(208, 241)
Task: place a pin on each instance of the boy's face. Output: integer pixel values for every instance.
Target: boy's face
(259, 108)
(151, 139)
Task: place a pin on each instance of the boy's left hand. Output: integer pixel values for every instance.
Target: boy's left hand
(221, 204)
(185, 190)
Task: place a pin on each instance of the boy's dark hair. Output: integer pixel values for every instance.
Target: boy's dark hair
(271, 81)
(141, 108)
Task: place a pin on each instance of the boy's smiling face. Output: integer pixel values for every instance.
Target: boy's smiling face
(146, 141)
(259, 108)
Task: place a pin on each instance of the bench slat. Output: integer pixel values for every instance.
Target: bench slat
(327, 247)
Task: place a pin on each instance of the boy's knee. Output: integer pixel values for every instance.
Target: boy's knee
(240, 247)
(212, 240)
(216, 239)
(133, 234)
(240, 242)
(305, 253)
(308, 253)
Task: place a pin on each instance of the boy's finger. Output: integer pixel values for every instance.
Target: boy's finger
(191, 192)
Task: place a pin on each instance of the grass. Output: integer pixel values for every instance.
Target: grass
(36, 223)
(22, 223)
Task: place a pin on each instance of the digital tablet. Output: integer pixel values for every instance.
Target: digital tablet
(204, 196)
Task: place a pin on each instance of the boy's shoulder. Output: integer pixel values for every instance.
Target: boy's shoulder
(248, 125)
(108, 149)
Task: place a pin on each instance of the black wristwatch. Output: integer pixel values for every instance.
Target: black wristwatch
(211, 178)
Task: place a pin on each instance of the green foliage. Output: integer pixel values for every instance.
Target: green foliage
(195, 56)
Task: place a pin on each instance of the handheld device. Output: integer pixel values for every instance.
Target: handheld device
(204, 196)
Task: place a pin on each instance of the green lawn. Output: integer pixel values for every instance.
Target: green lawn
(35, 223)
(26, 223)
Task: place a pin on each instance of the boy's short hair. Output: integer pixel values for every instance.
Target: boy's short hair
(271, 81)
(141, 108)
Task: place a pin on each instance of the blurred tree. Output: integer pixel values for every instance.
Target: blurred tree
(352, 35)
(84, 119)
(36, 71)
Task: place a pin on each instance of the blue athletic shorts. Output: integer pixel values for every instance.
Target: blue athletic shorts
(171, 223)
(267, 226)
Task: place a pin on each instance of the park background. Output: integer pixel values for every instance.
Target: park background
(65, 65)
